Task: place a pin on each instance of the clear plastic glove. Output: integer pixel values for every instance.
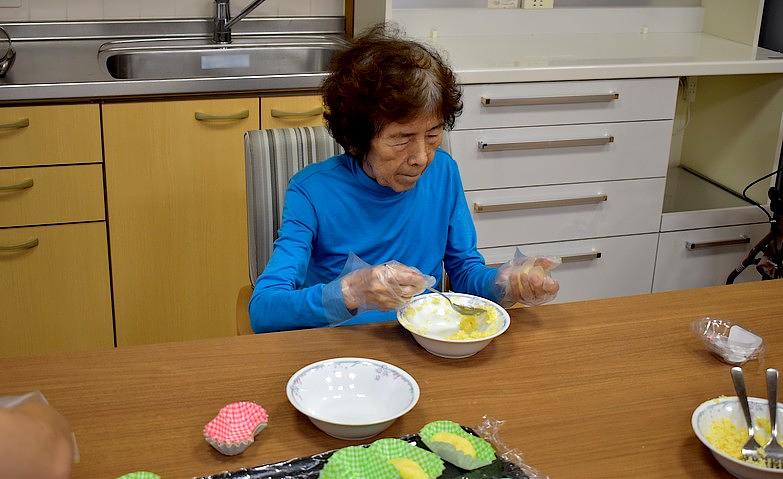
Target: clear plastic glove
(526, 280)
(385, 286)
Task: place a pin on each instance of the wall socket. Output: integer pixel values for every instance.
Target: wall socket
(539, 3)
(690, 89)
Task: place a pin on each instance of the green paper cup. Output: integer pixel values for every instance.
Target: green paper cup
(485, 453)
(140, 475)
(357, 462)
(390, 449)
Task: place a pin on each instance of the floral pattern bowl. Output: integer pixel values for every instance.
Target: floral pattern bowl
(352, 398)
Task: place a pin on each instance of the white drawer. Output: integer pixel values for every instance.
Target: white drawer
(567, 102)
(537, 214)
(678, 267)
(595, 268)
(544, 155)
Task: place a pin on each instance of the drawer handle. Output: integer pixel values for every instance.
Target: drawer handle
(23, 185)
(296, 114)
(15, 125)
(690, 245)
(549, 100)
(575, 258)
(543, 144)
(494, 208)
(21, 246)
(233, 116)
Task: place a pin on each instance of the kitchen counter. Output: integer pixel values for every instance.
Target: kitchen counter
(575, 381)
(556, 57)
(61, 60)
(51, 68)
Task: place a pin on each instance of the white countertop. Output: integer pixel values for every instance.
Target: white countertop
(554, 57)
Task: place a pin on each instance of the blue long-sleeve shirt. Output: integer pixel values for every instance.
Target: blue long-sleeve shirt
(332, 208)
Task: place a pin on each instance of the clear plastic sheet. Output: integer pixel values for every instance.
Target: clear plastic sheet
(7, 402)
(309, 467)
(489, 429)
(732, 343)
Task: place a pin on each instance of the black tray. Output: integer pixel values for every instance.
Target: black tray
(309, 467)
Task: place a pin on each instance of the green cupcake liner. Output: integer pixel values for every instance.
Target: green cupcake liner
(485, 453)
(394, 448)
(140, 475)
(356, 462)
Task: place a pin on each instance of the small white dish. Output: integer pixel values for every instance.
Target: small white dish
(728, 407)
(453, 348)
(352, 398)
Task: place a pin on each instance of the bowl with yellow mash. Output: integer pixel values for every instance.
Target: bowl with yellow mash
(720, 425)
(446, 333)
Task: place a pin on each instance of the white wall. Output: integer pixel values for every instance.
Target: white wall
(34, 10)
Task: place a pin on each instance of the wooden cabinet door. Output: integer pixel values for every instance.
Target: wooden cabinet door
(175, 180)
(291, 111)
(54, 289)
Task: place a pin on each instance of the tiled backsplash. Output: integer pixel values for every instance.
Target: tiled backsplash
(34, 10)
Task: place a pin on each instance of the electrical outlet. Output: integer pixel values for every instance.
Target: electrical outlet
(539, 3)
(690, 89)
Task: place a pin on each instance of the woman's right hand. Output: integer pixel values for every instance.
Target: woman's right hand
(385, 286)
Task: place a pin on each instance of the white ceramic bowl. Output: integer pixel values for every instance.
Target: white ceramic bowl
(728, 407)
(352, 398)
(455, 348)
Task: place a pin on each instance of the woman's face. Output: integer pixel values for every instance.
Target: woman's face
(402, 151)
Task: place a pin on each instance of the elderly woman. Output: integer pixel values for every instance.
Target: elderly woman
(365, 231)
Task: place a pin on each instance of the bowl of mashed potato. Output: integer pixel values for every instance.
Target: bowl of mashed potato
(446, 333)
(720, 425)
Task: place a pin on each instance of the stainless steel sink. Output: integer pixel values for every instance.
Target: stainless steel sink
(161, 59)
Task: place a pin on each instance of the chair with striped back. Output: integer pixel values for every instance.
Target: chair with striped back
(272, 157)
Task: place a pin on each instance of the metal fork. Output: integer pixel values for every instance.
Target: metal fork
(773, 452)
(750, 451)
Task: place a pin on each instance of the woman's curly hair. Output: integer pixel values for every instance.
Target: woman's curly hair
(381, 78)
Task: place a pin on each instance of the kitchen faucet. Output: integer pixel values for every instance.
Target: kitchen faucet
(223, 21)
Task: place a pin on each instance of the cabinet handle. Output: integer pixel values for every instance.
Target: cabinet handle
(23, 185)
(690, 245)
(575, 258)
(15, 125)
(494, 208)
(543, 144)
(21, 246)
(296, 114)
(234, 116)
(549, 100)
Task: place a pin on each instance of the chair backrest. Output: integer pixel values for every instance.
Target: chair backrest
(272, 157)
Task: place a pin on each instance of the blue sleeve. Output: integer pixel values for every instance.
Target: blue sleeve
(464, 264)
(279, 301)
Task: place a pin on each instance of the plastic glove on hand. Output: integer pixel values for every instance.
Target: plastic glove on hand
(527, 281)
(385, 286)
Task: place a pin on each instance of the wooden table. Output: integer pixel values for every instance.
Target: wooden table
(591, 389)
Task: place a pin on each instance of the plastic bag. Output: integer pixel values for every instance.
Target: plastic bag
(731, 342)
(489, 429)
(8, 402)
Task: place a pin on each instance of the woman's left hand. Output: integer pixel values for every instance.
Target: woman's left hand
(528, 283)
